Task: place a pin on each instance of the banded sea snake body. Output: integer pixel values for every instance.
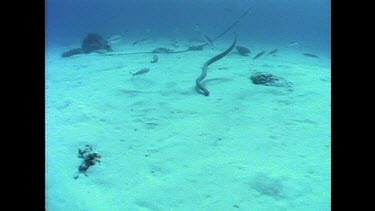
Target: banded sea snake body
(199, 87)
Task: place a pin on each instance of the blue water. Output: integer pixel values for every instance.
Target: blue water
(164, 146)
(270, 21)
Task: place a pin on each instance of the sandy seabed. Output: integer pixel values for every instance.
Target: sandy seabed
(165, 147)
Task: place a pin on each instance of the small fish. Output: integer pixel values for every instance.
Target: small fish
(259, 55)
(310, 55)
(139, 41)
(155, 59)
(208, 39)
(272, 52)
(243, 50)
(115, 39)
(140, 72)
(293, 43)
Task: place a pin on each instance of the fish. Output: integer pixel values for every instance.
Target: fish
(243, 50)
(155, 59)
(259, 55)
(293, 43)
(139, 41)
(140, 72)
(272, 52)
(310, 55)
(115, 38)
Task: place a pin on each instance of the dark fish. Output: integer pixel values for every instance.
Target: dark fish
(310, 55)
(243, 50)
(259, 55)
(140, 72)
(272, 52)
(208, 40)
(155, 59)
(139, 41)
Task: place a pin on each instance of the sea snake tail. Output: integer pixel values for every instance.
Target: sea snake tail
(233, 24)
(199, 87)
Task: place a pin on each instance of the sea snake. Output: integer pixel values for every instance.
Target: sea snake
(199, 87)
(233, 24)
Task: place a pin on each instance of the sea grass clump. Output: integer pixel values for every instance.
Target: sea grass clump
(90, 158)
(267, 79)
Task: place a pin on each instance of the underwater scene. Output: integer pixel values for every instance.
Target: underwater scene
(197, 105)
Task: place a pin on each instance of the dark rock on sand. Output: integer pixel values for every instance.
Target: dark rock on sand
(94, 42)
(162, 50)
(72, 52)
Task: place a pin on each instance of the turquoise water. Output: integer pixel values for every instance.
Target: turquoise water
(164, 146)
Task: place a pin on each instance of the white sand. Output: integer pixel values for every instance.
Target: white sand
(165, 147)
